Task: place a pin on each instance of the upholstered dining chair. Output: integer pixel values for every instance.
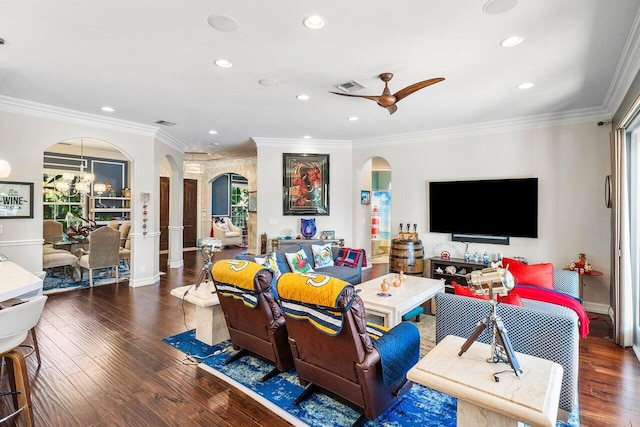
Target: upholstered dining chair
(124, 252)
(15, 324)
(104, 247)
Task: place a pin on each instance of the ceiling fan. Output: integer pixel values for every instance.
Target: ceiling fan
(389, 101)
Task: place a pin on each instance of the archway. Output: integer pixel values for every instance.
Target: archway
(373, 218)
(380, 210)
(86, 185)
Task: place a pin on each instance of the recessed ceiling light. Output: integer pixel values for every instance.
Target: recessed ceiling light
(213, 132)
(223, 63)
(307, 137)
(108, 109)
(352, 118)
(216, 143)
(269, 82)
(512, 41)
(223, 23)
(303, 97)
(496, 7)
(527, 85)
(314, 22)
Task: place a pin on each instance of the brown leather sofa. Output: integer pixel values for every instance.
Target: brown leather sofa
(260, 330)
(347, 364)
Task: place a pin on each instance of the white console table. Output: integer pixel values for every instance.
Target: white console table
(211, 328)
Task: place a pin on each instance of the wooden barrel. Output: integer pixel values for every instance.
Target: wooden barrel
(406, 256)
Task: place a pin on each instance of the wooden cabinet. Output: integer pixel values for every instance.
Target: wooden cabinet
(105, 209)
(438, 270)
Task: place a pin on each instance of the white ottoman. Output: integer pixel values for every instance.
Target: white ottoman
(211, 328)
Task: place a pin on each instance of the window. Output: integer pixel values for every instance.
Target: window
(239, 203)
(64, 205)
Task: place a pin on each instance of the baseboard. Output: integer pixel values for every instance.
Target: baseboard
(596, 308)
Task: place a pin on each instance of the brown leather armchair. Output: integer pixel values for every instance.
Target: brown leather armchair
(340, 359)
(254, 319)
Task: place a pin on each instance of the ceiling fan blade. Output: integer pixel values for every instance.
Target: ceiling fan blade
(415, 87)
(371, 97)
(392, 108)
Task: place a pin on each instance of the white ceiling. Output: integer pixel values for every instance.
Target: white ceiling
(153, 60)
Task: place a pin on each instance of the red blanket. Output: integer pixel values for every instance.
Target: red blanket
(547, 295)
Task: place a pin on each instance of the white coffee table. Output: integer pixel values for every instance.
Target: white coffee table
(413, 292)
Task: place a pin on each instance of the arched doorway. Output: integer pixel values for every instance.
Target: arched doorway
(230, 198)
(380, 210)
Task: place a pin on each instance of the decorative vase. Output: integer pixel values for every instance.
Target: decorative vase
(308, 227)
(396, 281)
(384, 286)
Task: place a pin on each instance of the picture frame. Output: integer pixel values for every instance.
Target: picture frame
(365, 197)
(16, 200)
(252, 205)
(305, 184)
(329, 234)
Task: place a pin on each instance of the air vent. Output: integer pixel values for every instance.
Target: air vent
(165, 123)
(351, 86)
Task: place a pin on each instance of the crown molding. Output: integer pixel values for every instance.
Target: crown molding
(170, 140)
(487, 128)
(299, 143)
(626, 69)
(21, 106)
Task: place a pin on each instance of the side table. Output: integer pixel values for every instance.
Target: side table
(583, 273)
(531, 398)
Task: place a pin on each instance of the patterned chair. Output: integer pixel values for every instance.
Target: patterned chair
(226, 232)
(541, 329)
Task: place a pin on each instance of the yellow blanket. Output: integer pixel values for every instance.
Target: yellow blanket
(239, 273)
(311, 288)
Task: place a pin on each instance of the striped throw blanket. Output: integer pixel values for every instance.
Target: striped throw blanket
(235, 278)
(313, 297)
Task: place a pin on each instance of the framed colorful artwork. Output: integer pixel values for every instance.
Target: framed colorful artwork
(305, 189)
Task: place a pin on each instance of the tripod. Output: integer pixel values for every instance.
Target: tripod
(501, 349)
(207, 248)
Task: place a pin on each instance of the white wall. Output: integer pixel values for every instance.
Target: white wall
(27, 129)
(570, 161)
(342, 192)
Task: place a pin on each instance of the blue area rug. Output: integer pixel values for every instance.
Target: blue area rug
(420, 406)
(57, 281)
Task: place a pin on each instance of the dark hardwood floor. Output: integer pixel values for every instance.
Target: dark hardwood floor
(104, 364)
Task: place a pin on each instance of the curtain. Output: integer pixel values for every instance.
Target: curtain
(622, 287)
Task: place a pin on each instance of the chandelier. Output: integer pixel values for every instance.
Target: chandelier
(82, 183)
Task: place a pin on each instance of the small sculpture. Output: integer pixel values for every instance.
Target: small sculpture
(485, 258)
(396, 281)
(476, 257)
(402, 277)
(384, 285)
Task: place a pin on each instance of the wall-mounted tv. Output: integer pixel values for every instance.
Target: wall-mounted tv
(494, 207)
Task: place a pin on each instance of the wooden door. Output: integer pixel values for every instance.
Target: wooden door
(164, 213)
(190, 213)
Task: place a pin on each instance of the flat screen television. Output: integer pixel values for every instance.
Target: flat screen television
(494, 207)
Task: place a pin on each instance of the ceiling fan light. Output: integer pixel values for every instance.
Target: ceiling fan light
(352, 118)
(303, 97)
(213, 132)
(108, 109)
(512, 41)
(314, 22)
(307, 137)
